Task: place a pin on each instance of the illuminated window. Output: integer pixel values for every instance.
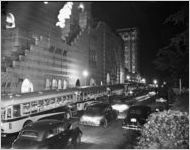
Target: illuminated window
(64, 84)
(10, 21)
(48, 83)
(54, 84)
(27, 86)
(59, 84)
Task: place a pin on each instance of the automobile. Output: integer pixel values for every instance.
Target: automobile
(161, 100)
(121, 107)
(48, 133)
(160, 105)
(136, 117)
(152, 93)
(99, 114)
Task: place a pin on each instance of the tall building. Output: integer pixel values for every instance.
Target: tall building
(50, 46)
(130, 37)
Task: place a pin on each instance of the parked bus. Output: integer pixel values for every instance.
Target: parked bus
(19, 110)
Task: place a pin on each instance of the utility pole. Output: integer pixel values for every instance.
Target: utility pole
(180, 86)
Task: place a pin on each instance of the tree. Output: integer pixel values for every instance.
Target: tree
(173, 59)
(165, 130)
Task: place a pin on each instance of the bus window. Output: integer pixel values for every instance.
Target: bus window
(26, 108)
(34, 107)
(52, 103)
(59, 100)
(9, 112)
(67, 98)
(46, 104)
(41, 105)
(16, 111)
(3, 113)
(63, 99)
(56, 102)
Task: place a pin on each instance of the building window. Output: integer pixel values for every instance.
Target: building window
(27, 86)
(54, 84)
(93, 57)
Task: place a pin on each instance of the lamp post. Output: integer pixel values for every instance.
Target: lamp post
(85, 74)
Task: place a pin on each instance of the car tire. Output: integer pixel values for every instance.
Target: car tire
(105, 123)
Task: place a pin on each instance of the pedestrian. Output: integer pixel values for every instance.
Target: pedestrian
(76, 135)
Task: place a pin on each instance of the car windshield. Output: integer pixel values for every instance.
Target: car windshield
(136, 111)
(139, 110)
(29, 134)
(96, 110)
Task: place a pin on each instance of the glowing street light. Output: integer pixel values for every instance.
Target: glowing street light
(143, 80)
(85, 74)
(155, 81)
(128, 77)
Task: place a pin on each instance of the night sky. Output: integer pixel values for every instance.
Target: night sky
(148, 17)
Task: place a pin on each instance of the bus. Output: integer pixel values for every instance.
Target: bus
(19, 110)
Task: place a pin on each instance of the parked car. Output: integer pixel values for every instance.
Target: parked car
(136, 117)
(121, 107)
(98, 114)
(47, 134)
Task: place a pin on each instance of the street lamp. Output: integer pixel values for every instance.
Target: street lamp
(85, 74)
(155, 81)
(128, 77)
(143, 80)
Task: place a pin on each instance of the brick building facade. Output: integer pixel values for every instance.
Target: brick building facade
(37, 55)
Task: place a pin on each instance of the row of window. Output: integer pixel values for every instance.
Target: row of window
(34, 107)
(53, 49)
(53, 84)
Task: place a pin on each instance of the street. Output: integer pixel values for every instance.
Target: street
(99, 137)
(111, 137)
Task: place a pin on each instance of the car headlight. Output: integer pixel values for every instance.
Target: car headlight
(133, 120)
(120, 107)
(91, 119)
